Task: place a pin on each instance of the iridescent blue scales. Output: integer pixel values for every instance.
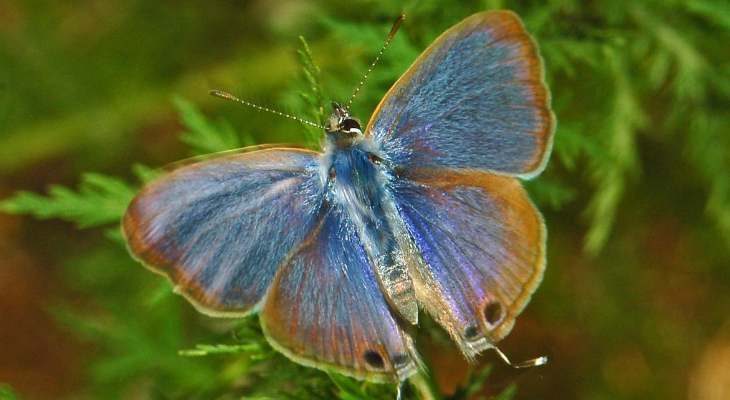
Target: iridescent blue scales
(338, 251)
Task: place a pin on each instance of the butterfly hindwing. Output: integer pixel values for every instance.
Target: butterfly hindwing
(475, 99)
(326, 308)
(482, 243)
(220, 229)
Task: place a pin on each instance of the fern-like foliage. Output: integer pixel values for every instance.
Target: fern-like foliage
(204, 136)
(313, 98)
(99, 200)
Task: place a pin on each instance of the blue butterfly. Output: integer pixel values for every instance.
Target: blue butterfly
(337, 251)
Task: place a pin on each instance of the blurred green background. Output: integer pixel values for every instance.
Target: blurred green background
(635, 303)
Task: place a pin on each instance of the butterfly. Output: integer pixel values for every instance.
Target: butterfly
(422, 211)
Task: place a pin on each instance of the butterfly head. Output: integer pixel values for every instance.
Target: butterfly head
(341, 125)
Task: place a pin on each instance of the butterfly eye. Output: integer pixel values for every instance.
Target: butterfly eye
(332, 173)
(350, 125)
(373, 359)
(493, 312)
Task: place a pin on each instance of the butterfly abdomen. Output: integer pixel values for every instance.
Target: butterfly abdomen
(359, 185)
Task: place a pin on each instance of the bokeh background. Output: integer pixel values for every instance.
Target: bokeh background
(635, 303)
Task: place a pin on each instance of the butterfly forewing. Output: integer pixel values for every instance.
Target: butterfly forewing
(326, 308)
(483, 246)
(220, 229)
(475, 99)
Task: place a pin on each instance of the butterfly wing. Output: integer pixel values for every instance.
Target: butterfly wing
(474, 99)
(483, 245)
(220, 229)
(326, 308)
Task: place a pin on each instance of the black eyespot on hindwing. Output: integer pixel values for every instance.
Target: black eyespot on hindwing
(493, 312)
(373, 359)
(471, 332)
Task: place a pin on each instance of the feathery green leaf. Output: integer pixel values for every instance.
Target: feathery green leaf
(99, 200)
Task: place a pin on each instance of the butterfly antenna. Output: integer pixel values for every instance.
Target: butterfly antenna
(525, 364)
(393, 30)
(228, 96)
